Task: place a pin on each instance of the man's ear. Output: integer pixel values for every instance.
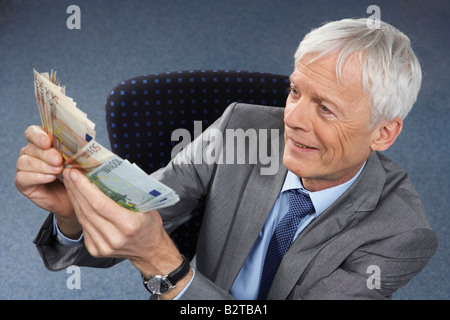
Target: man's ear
(387, 132)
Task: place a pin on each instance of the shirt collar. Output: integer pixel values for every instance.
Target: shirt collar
(321, 199)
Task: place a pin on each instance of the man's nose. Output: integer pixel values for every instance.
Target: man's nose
(299, 115)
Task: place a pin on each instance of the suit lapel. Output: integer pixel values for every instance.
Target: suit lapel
(257, 202)
(360, 198)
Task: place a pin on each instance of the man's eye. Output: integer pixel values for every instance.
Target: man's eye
(324, 109)
(293, 91)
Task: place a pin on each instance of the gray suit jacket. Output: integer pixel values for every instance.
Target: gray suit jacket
(379, 221)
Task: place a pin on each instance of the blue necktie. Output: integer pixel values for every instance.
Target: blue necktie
(300, 206)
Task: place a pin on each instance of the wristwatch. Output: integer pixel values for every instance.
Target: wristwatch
(162, 284)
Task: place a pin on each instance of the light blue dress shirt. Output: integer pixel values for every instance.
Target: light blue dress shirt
(246, 285)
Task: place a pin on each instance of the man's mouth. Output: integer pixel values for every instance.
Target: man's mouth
(301, 146)
(297, 144)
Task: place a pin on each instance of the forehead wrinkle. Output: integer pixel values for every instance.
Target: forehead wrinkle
(321, 94)
(324, 72)
(324, 84)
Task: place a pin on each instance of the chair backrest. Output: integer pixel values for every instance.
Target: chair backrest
(142, 113)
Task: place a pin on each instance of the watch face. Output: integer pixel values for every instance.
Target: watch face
(158, 285)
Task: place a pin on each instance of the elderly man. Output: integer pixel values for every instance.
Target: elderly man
(338, 220)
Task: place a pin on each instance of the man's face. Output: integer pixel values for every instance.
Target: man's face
(327, 130)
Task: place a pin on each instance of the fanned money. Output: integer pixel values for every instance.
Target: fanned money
(67, 126)
(73, 134)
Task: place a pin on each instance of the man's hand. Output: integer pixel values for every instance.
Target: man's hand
(113, 231)
(38, 166)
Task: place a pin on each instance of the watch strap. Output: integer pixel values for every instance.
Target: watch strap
(180, 272)
(173, 278)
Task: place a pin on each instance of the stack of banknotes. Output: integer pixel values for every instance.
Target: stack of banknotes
(73, 134)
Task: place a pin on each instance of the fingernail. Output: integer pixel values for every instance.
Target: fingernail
(73, 175)
(66, 175)
(42, 142)
(55, 159)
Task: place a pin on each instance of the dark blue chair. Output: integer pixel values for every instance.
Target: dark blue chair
(142, 113)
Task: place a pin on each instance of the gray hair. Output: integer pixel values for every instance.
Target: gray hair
(391, 72)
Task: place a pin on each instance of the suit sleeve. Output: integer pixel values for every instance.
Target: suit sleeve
(57, 256)
(376, 270)
(188, 179)
(201, 288)
(189, 176)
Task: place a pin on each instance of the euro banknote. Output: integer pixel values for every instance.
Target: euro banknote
(125, 183)
(68, 127)
(73, 135)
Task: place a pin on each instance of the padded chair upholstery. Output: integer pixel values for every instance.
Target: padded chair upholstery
(142, 112)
